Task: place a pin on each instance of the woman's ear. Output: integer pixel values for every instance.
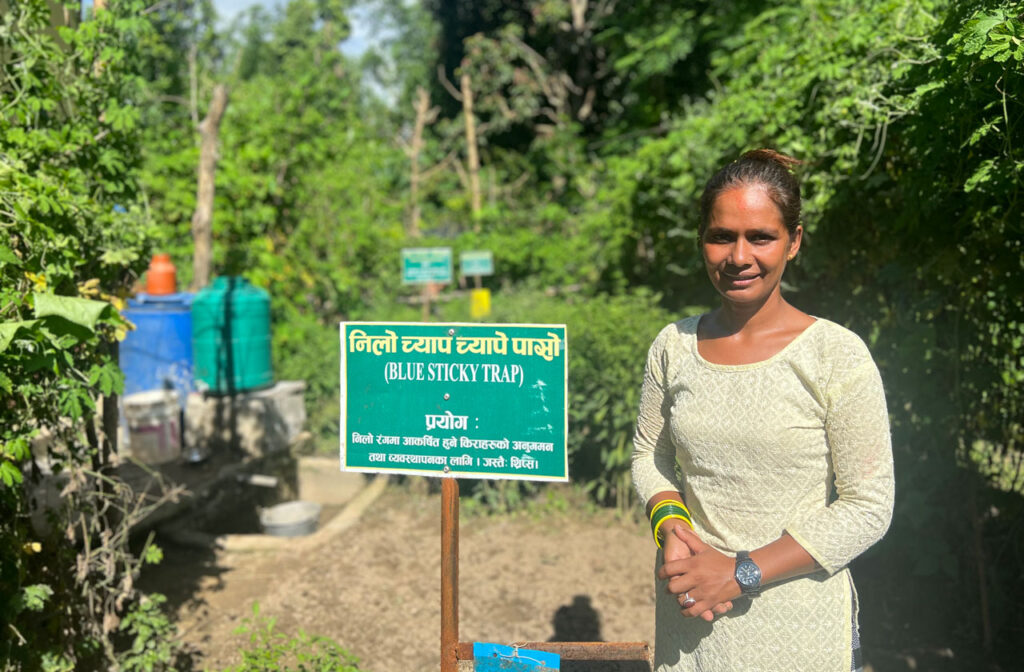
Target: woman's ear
(794, 242)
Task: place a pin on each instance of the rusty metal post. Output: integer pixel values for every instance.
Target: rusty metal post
(449, 575)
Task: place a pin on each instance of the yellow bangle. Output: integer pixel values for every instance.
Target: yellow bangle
(657, 528)
(666, 502)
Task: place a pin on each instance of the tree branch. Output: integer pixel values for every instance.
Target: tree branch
(443, 78)
(579, 11)
(157, 7)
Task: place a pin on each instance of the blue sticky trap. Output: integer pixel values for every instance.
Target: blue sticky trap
(501, 658)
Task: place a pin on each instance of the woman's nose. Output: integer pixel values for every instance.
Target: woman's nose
(740, 253)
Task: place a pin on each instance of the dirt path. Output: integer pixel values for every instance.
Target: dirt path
(546, 575)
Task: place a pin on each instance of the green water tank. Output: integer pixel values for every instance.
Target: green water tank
(231, 337)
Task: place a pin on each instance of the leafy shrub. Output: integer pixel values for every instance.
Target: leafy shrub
(75, 237)
(272, 651)
(154, 645)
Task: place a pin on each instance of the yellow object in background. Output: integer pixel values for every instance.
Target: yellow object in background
(480, 303)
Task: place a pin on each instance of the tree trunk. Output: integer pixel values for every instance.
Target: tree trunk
(978, 544)
(202, 219)
(424, 115)
(472, 157)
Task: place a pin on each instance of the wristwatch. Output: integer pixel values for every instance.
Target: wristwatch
(747, 574)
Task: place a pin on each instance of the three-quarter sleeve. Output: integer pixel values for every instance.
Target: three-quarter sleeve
(857, 431)
(654, 456)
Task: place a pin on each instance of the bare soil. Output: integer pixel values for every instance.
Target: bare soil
(559, 572)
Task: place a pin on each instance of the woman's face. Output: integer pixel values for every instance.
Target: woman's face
(746, 245)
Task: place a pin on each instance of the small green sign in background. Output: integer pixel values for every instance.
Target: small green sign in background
(476, 262)
(472, 400)
(423, 265)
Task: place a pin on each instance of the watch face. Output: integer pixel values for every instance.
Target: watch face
(748, 575)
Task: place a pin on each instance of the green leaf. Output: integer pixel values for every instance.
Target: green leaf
(983, 130)
(109, 381)
(981, 175)
(9, 474)
(8, 330)
(84, 312)
(34, 597)
(154, 554)
(17, 449)
(7, 256)
(119, 257)
(5, 383)
(930, 86)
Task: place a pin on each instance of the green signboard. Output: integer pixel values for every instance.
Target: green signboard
(424, 265)
(471, 400)
(476, 262)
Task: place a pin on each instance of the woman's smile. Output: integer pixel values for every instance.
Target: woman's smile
(742, 279)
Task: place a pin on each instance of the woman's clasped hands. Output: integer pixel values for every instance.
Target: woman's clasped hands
(701, 578)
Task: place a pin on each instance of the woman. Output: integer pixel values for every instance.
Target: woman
(778, 425)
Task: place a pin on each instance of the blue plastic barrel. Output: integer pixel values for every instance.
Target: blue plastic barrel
(158, 353)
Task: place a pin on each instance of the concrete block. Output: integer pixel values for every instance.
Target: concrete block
(258, 423)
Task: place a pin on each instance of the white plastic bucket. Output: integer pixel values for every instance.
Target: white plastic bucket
(154, 435)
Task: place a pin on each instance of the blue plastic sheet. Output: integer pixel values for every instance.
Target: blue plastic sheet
(501, 658)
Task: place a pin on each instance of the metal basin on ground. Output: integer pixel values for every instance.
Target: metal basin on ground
(290, 519)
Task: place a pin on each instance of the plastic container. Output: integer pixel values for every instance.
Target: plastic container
(158, 353)
(154, 426)
(162, 277)
(291, 519)
(231, 337)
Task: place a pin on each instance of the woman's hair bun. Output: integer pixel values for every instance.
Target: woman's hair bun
(770, 155)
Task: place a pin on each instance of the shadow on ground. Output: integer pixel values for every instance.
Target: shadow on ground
(578, 621)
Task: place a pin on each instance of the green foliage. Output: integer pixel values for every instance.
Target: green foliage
(75, 237)
(273, 651)
(152, 635)
(992, 34)
(33, 598)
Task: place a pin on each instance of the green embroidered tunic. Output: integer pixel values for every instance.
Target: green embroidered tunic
(798, 443)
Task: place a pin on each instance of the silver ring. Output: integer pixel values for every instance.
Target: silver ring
(689, 601)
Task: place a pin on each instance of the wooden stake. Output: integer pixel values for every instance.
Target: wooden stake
(426, 303)
(449, 575)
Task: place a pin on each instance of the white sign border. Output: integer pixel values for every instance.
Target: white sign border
(456, 474)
